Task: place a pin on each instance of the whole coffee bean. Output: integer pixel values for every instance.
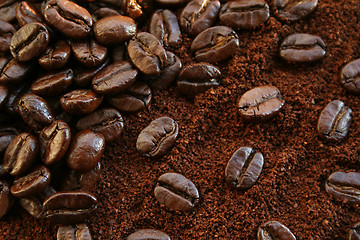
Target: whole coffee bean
(294, 10)
(215, 44)
(6, 32)
(344, 186)
(334, 121)
(114, 30)
(26, 13)
(80, 101)
(197, 78)
(199, 15)
(147, 53)
(6, 201)
(4, 94)
(136, 98)
(354, 233)
(69, 207)
(245, 14)
(83, 76)
(103, 13)
(8, 10)
(88, 52)
(260, 103)
(20, 154)
(114, 78)
(7, 134)
(350, 76)
(274, 230)
(29, 41)
(151, 234)
(74, 232)
(54, 142)
(244, 168)
(81, 181)
(302, 48)
(12, 71)
(55, 57)
(86, 150)
(176, 192)
(107, 121)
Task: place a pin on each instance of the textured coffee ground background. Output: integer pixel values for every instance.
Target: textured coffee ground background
(291, 186)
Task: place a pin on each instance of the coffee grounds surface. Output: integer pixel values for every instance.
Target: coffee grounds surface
(297, 163)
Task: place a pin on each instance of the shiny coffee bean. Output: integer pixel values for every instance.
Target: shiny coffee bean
(53, 83)
(80, 101)
(176, 192)
(81, 181)
(4, 94)
(86, 150)
(26, 13)
(215, 44)
(29, 41)
(199, 15)
(54, 142)
(83, 76)
(294, 10)
(7, 134)
(74, 232)
(334, 121)
(354, 233)
(88, 52)
(11, 104)
(6, 32)
(260, 103)
(244, 168)
(245, 14)
(5, 198)
(302, 48)
(274, 230)
(8, 10)
(134, 99)
(55, 57)
(350, 76)
(158, 137)
(344, 186)
(147, 53)
(12, 71)
(151, 234)
(20, 154)
(107, 121)
(103, 13)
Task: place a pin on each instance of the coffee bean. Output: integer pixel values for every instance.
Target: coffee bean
(81, 181)
(12, 71)
(158, 137)
(26, 13)
(103, 13)
(354, 233)
(11, 105)
(260, 103)
(6, 32)
(83, 76)
(199, 15)
(244, 14)
(148, 234)
(4, 94)
(7, 134)
(350, 76)
(55, 57)
(244, 168)
(344, 186)
(74, 232)
(88, 52)
(80, 101)
(147, 53)
(274, 230)
(302, 48)
(6, 201)
(8, 10)
(294, 10)
(334, 121)
(215, 44)
(107, 121)
(176, 192)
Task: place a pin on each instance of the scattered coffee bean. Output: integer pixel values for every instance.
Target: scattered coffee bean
(12, 71)
(7, 134)
(74, 232)
(6, 32)
(26, 13)
(88, 52)
(274, 230)
(344, 186)
(294, 10)
(11, 105)
(151, 234)
(80, 101)
(354, 233)
(81, 181)
(5, 198)
(55, 57)
(350, 76)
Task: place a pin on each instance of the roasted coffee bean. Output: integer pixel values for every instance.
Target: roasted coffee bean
(294, 10)
(69, 207)
(199, 15)
(35, 111)
(244, 14)
(136, 98)
(107, 121)
(4, 94)
(103, 13)
(114, 30)
(55, 57)
(350, 76)
(8, 10)
(26, 13)
(20, 154)
(12, 71)
(54, 142)
(33, 183)
(215, 44)
(83, 76)
(151, 234)
(5, 198)
(334, 121)
(7, 134)
(344, 186)
(86, 150)
(11, 105)
(302, 48)
(88, 52)
(244, 168)
(354, 233)
(158, 137)
(274, 230)
(33, 205)
(176, 192)
(260, 103)
(29, 41)
(69, 18)
(6, 32)
(165, 26)
(74, 232)
(114, 78)
(81, 181)
(197, 78)
(53, 83)
(80, 101)
(147, 53)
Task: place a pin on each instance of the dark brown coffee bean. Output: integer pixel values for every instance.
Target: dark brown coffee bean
(74, 232)
(55, 57)
(114, 78)
(81, 181)
(4, 94)
(244, 168)
(107, 121)
(158, 137)
(176, 192)
(83, 76)
(344, 186)
(244, 14)
(6, 200)
(274, 230)
(6, 32)
(302, 48)
(88, 52)
(294, 10)
(80, 101)
(151, 234)
(215, 44)
(136, 98)
(8, 10)
(20, 154)
(354, 233)
(54, 142)
(7, 134)
(11, 105)
(103, 13)
(260, 103)
(334, 121)
(26, 13)
(12, 71)
(53, 83)
(199, 15)
(350, 76)
(147, 53)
